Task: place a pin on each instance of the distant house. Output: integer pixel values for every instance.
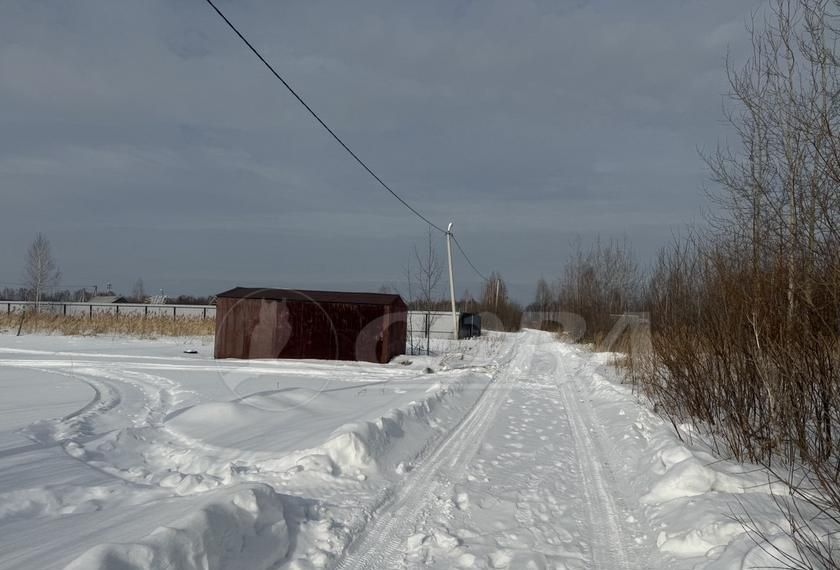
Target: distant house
(107, 299)
(330, 325)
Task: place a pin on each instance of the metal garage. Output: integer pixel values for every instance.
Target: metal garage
(290, 323)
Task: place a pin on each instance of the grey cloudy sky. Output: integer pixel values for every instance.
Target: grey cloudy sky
(145, 141)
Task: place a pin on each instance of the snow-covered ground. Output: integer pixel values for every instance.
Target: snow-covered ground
(509, 451)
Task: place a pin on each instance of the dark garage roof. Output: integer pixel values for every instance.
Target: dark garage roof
(314, 296)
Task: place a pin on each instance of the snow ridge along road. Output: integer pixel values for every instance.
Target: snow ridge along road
(430, 521)
(380, 544)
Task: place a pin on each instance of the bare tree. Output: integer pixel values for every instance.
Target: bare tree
(544, 298)
(41, 270)
(499, 312)
(428, 274)
(138, 294)
(467, 301)
(427, 280)
(410, 300)
(745, 317)
(780, 184)
(599, 284)
(494, 291)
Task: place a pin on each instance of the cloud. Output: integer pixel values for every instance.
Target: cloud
(530, 119)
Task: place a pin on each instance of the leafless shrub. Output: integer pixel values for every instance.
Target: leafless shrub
(745, 320)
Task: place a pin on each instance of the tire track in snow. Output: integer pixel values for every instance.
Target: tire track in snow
(381, 544)
(608, 544)
(80, 423)
(110, 385)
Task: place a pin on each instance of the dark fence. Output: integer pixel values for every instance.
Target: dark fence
(93, 309)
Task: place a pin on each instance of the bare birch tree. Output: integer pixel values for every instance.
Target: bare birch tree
(41, 270)
(745, 318)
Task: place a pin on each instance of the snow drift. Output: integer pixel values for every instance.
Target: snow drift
(243, 527)
(238, 516)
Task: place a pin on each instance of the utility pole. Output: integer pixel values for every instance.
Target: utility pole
(451, 281)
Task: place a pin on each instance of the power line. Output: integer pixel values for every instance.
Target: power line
(464, 253)
(337, 138)
(317, 118)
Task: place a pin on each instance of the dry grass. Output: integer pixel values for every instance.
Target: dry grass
(129, 325)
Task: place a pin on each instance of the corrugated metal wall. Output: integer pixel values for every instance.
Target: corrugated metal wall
(268, 328)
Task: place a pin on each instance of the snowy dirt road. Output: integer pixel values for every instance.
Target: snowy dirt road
(523, 482)
(512, 451)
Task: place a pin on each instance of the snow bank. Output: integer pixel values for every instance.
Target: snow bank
(176, 454)
(699, 541)
(692, 477)
(716, 493)
(228, 469)
(242, 528)
(394, 439)
(227, 413)
(69, 499)
(690, 500)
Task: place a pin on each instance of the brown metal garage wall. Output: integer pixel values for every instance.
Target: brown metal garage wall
(246, 328)
(330, 331)
(396, 330)
(250, 327)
